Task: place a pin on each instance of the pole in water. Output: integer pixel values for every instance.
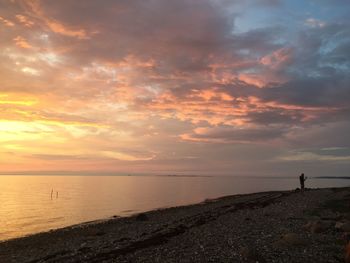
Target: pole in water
(51, 193)
(57, 194)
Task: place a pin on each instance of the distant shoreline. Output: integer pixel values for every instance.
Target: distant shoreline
(63, 173)
(332, 177)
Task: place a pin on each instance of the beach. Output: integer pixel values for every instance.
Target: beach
(161, 131)
(277, 226)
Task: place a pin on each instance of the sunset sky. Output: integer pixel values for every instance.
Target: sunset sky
(231, 87)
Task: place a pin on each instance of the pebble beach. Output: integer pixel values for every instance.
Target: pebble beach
(281, 226)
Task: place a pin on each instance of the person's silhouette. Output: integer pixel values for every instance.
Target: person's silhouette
(302, 179)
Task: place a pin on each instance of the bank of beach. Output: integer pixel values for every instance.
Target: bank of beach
(281, 226)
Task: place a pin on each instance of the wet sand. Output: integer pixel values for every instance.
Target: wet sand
(281, 226)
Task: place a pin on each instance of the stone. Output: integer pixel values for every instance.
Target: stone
(251, 255)
(328, 214)
(142, 217)
(94, 232)
(347, 253)
(290, 239)
(313, 218)
(344, 227)
(307, 226)
(318, 226)
(346, 236)
(338, 225)
(346, 216)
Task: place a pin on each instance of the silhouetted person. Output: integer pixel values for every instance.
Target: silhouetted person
(302, 179)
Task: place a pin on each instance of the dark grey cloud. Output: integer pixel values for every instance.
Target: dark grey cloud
(275, 116)
(339, 56)
(324, 135)
(170, 31)
(334, 151)
(318, 91)
(229, 134)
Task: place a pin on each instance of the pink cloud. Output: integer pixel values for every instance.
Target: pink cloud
(278, 59)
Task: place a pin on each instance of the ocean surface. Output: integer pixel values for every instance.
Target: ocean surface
(32, 204)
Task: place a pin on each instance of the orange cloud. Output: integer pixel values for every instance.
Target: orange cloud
(253, 79)
(213, 107)
(6, 22)
(54, 25)
(22, 42)
(25, 20)
(209, 94)
(210, 106)
(131, 61)
(61, 29)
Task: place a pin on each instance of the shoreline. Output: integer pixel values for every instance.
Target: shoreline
(144, 237)
(137, 213)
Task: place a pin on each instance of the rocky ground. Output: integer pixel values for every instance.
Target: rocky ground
(265, 227)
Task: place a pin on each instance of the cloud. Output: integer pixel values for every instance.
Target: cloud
(133, 80)
(234, 135)
(332, 154)
(6, 22)
(326, 92)
(278, 59)
(25, 20)
(312, 22)
(21, 42)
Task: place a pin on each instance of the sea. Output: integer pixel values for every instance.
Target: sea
(31, 204)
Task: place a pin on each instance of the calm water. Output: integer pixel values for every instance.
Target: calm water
(26, 206)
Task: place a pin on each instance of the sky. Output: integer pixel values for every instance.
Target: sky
(224, 87)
